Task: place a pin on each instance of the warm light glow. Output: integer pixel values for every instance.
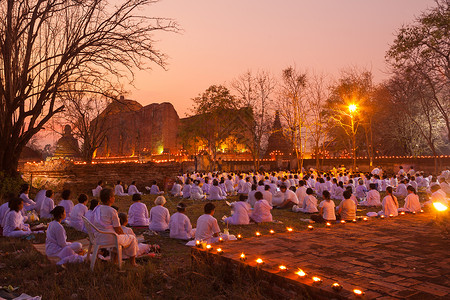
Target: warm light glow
(316, 279)
(328, 224)
(300, 273)
(310, 227)
(336, 284)
(343, 222)
(382, 216)
(258, 233)
(357, 292)
(365, 219)
(439, 206)
(219, 250)
(272, 231)
(197, 242)
(239, 237)
(259, 261)
(354, 220)
(289, 229)
(242, 256)
(352, 108)
(208, 247)
(282, 268)
(220, 239)
(402, 213)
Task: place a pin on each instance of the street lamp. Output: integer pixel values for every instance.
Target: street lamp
(352, 108)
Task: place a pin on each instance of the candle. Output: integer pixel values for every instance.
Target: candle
(220, 239)
(310, 227)
(282, 268)
(239, 237)
(258, 234)
(365, 219)
(242, 257)
(208, 247)
(259, 261)
(402, 213)
(328, 224)
(219, 251)
(354, 220)
(289, 229)
(382, 216)
(342, 221)
(272, 231)
(358, 292)
(316, 279)
(336, 286)
(421, 210)
(197, 242)
(391, 215)
(300, 273)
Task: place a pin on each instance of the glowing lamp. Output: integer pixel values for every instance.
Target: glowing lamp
(316, 280)
(343, 222)
(289, 229)
(365, 219)
(242, 257)
(354, 220)
(282, 268)
(336, 287)
(258, 234)
(382, 216)
(391, 215)
(219, 251)
(272, 231)
(300, 273)
(402, 213)
(352, 108)
(221, 239)
(239, 237)
(439, 206)
(358, 292)
(208, 247)
(198, 244)
(259, 261)
(421, 210)
(310, 227)
(328, 225)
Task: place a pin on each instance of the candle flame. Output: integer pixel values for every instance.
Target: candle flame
(402, 213)
(289, 229)
(365, 219)
(357, 292)
(272, 231)
(259, 261)
(336, 284)
(258, 233)
(343, 222)
(439, 206)
(300, 273)
(208, 246)
(219, 249)
(197, 242)
(242, 255)
(316, 279)
(282, 267)
(310, 227)
(328, 224)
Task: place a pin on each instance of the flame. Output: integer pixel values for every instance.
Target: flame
(258, 233)
(439, 206)
(272, 231)
(259, 261)
(282, 267)
(357, 292)
(208, 247)
(300, 273)
(289, 229)
(219, 250)
(316, 279)
(242, 256)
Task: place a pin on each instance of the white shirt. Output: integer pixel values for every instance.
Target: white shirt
(4, 209)
(138, 214)
(412, 203)
(56, 238)
(118, 190)
(216, 193)
(132, 189)
(106, 218)
(196, 192)
(40, 196)
(267, 195)
(26, 201)
(310, 204)
(328, 210)
(68, 206)
(261, 211)
(78, 211)
(187, 191)
(13, 220)
(206, 227)
(180, 226)
(401, 190)
(47, 206)
(389, 207)
(373, 198)
(96, 191)
(176, 190)
(154, 190)
(241, 215)
(159, 218)
(301, 193)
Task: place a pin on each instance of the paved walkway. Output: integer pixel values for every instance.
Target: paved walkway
(403, 257)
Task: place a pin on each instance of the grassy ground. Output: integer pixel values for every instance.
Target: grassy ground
(168, 277)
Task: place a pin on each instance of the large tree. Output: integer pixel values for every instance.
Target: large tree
(48, 48)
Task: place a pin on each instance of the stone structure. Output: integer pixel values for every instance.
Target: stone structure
(278, 144)
(67, 145)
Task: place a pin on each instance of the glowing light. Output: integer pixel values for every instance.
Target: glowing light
(242, 256)
(316, 279)
(354, 220)
(402, 213)
(439, 206)
(310, 227)
(239, 237)
(328, 224)
(365, 219)
(208, 247)
(219, 250)
(300, 273)
(259, 261)
(352, 108)
(258, 234)
(343, 222)
(289, 229)
(336, 286)
(357, 292)
(282, 268)
(220, 239)
(272, 231)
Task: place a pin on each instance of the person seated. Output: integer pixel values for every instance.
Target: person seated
(40, 196)
(66, 203)
(154, 189)
(285, 199)
(215, 192)
(187, 189)
(242, 211)
(90, 213)
(261, 211)
(389, 204)
(208, 229)
(196, 191)
(327, 211)
(445, 187)
(206, 186)
(142, 248)
(159, 215)
(244, 187)
(229, 185)
(27, 202)
(301, 191)
(437, 195)
(251, 195)
(347, 207)
(361, 190)
(338, 191)
(179, 225)
(132, 189)
(118, 189)
(401, 190)
(309, 205)
(4, 208)
(106, 219)
(79, 211)
(47, 205)
(412, 203)
(176, 189)
(96, 191)
(373, 197)
(56, 244)
(267, 194)
(138, 212)
(13, 223)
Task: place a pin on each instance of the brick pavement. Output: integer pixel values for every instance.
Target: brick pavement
(405, 257)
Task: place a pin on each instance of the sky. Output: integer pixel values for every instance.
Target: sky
(221, 40)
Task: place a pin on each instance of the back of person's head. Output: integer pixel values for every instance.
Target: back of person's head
(242, 197)
(341, 184)
(389, 190)
(261, 182)
(100, 182)
(209, 207)
(133, 182)
(24, 188)
(215, 182)
(435, 187)
(301, 183)
(267, 187)
(309, 191)
(283, 187)
(348, 187)
(160, 200)
(106, 195)
(94, 203)
(48, 193)
(57, 213)
(411, 188)
(326, 195)
(82, 198)
(258, 195)
(347, 194)
(123, 218)
(188, 181)
(65, 194)
(181, 207)
(360, 182)
(292, 188)
(136, 197)
(14, 204)
(254, 186)
(372, 186)
(118, 181)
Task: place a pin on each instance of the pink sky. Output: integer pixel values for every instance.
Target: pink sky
(223, 39)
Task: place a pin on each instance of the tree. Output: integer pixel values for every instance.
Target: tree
(423, 48)
(255, 92)
(51, 47)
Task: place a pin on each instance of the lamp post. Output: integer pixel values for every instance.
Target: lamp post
(352, 110)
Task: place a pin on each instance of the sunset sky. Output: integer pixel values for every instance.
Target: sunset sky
(223, 39)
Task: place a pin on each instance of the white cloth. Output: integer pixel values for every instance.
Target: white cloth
(14, 220)
(47, 206)
(241, 215)
(360, 191)
(56, 242)
(372, 199)
(229, 186)
(40, 196)
(261, 211)
(154, 190)
(180, 227)
(328, 210)
(176, 190)
(138, 214)
(27, 202)
(142, 248)
(412, 203)
(196, 193)
(4, 209)
(96, 191)
(207, 226)
(251, 198)
(309, 205)
(68, 206)
(132, 189)
(267, 195)
(187, 191)
(90, 216)
(389, 207)
(216, 193)
(401, 190)
(159, 218)
(75, 220)
(118, 190)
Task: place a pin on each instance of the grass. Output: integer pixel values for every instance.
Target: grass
(169, 277)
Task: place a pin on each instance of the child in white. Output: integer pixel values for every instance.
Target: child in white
(66, 203)
(412, 203)
(79, 211)
(13, 224)
(373, 197)
(142, 248)
(180, 225)
(56, 240)
(327, 212)
(261, 211)
(159, 215)
(138, 212)
(47, 205)
(390, 204)
(242, 211)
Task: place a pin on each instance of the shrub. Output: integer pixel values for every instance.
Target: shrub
(9, 184)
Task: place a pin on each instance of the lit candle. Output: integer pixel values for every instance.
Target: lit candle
(300, 273)
(358, 292)
(316, 279)
(258, 234)
(365, 219)
(220, 239)
(391, 215)
(310, 227)
(328, 224)
(282, 268)
(272, 231)
(197, 242)
(382, 216)
(208, 247)
(354, 220)
(336, 286)
(289, 229)
(421, 210)
(242, 257)
(402, 213)
(259, 261)
(219, 251)
(342, 221)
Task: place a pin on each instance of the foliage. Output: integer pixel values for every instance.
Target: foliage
(9, 184)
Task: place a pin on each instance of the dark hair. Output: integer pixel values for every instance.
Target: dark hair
(242, 197)
(389, 190)
(14, 204)
(347, 194)
(57, 212)
(372, 186)
(309, 191)
(118, 181)
(136, 197)
(258, 195)
(94, 203)
(283, 187)
(65, 194)
(411, 188)
(115, 207)
(181, 207)
(209, 207)
(100, 182)
(133, 182)
(254, 186)
(215, 182)
(82, 198)
(301, 183)
(48, 193)
(123, 218)
(24, 188)
(435, 187)
(105, 195)
(326, 195)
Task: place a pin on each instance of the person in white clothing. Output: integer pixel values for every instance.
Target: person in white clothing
(28, 203)
(90, 213)
(347, 208)
(267, 195)
(132, 189)
(242, 212)
(154, 189)
(287, 200)
(138, 212)
(327, 211)
(118, 189)
(390, 204)
(215, 192)
(301, 191)
(309, 204)
(196, 191)
(229, 185)
(142, 248)
(261, 211)
(208, 229)
(47, 205)
(159, 215)
(176, 189)
(401, 190)
(412, 203)
(445, 187)
(13, 224)
(361, 190)
(107, 219)
(66, 203)
(79, 211)
(97, 190)
(56, 244)
(373, 197)
(251, 196)
(179, 225)
(4, 209)
(187, 189)
(40, 196)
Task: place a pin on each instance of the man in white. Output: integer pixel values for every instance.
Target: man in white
(176, 189)
(180, 225)
(309, 204)
(401, 190)
(287, 198)
(301, 191)
(267, 195)
(132, 189)
(373, 197)
(118, 189)
(207, 227)
(96, 191)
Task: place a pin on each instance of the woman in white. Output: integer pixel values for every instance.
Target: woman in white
(309, 204)
(132, 189)
(47, 205)
(401, 190)
(215, 192)
(187, 189)
(40, 196)
(56, 240)
(27, 202)
(66, 203)
(360, 190)
(242, 211)
(118, 189)
(176, 189)
(180, 225)
(196, 191)
(154, 189)
(97, 190)
(107, 219)
(138, 212)
(339, 191)
(261, 211)
(327, 211)
(229, 185)
(390, 204)
(13, 224)
(412, 203)
(90, 213)
(79, 211)
(251, 196)
(373, 197)
(159, 215)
